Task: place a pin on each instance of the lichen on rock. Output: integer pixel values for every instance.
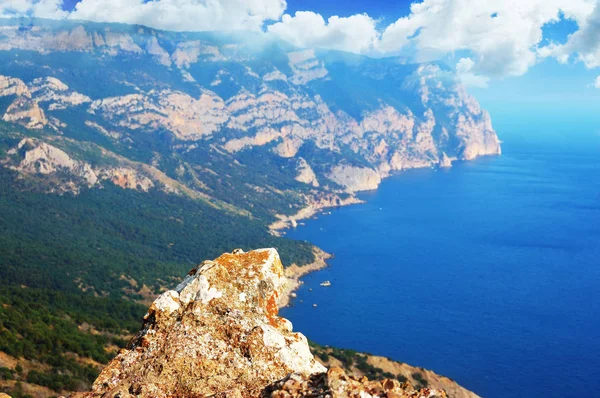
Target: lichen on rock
(216, 333)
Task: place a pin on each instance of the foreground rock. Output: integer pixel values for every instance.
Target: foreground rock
(336, 383)
(218, 334)
(374, 367)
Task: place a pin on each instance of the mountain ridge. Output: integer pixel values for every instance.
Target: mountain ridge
(293, 109)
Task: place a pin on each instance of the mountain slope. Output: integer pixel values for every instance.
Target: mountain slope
(127, 154)
(181, 100)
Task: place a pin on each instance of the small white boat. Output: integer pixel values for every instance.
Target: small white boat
(326, 283)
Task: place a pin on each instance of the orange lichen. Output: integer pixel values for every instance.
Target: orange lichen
(277, 267)
(273, 310)
(250, 261)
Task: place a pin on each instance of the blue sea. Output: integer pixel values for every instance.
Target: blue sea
(488, 273)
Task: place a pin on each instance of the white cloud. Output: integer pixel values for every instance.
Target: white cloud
(502, 35)
(181, 15)
(584, 44)
(356, 33)
(494, 37)
(178, 15)
(36, 8)
(597, 82)
(470, 79)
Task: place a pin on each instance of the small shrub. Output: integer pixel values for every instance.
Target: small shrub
(418, 377)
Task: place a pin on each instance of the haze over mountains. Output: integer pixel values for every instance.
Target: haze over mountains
(129, 153)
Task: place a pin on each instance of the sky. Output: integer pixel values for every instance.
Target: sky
(508, 52)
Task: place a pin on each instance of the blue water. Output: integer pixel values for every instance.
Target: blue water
(488, 273)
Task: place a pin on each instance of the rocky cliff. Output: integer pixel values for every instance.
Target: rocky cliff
(218, 334)
(215, 111)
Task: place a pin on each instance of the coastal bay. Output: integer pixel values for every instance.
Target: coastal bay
(486, 273)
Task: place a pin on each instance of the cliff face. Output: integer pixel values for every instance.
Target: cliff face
(199, 105)
(218, 334)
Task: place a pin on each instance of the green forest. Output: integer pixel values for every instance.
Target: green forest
(69, 261)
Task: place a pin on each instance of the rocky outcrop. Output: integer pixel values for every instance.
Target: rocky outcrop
(126, 178)
(306, 173)
(388, 120)
(288, 148)
(355, 179)
(472, 125)
(218, 334)
(111, 134)
(445, 161)
(33, 157)
(419, 376)
(154, 48)
(261, 138)
(26, 112)
(12, 86)
(336, 383)
(39, 157)
(188, 53)
(25, 108)
(306, 67)
(186, 117)
(276, 74)
(358, 365)
(56, 94)
(120, 42)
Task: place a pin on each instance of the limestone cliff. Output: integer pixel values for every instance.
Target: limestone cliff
(218, 334)
(33, 157)
(355, 178)
(321, 122)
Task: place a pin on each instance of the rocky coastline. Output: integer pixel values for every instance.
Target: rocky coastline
(294, 273)
(315, 205)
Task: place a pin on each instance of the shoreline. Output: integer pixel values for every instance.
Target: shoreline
(286, 222)
(295, 272)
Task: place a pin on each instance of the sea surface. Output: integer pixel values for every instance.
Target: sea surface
(488, 273)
